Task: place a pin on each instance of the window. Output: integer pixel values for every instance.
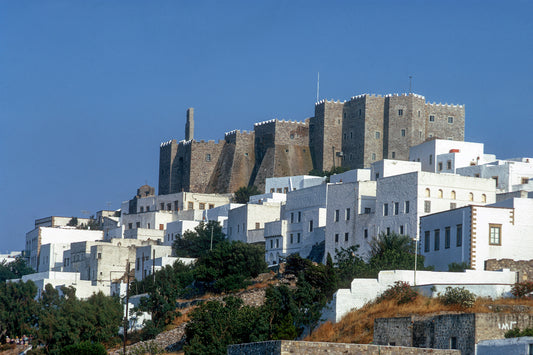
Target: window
(385, 209)
(427, 193)
(148, 225)
(450, 119)
(495, 234)
(447, 238)
(365, 233)
(431, 158)
(138, 224)
(418, 113)
(440, 193)
(406, 207)
(388, 230)
(130, 225)
(299, 216)
(403, 132)
(336, 215)
(346, 236)
(373, 156)
(360, 112)
(142, 209)
(400, 112)
(336, 238)
(453, 205)
(396, 208)
(162, 206)
(440, 166)
(208, 157)
(470, 196)
(298, 237)
(378, 134)
(169, 207)
(393, 155)
(147, 208)
(377, 176)
(427, 206)
(496, 179)
(453, 343)
(211, 206)
(257, 225)
(525, 180)
(202, 206)
(431, 118)
(475, 175)
(278, 190)
(292, 135)
(292, 239)
(449, 165)
(401, 229)
(272, 190)
(271, 243)
(347, 216)
(437, 239)
(99, 255)
(292, 217)
(459, 235)
(190, 205)
(344, 136)
(285, 190)
(368, 210)
(277, 243)
(453, 194)
(310, 225)
(484, 198)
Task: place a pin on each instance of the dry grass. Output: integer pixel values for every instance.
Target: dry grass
(358, 325)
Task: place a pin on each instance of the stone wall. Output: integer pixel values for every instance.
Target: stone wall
(282, 347)
(523, 267)
(462, 331)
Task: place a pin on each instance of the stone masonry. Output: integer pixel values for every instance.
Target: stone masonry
(352, 134)
(285, 347)
(446, 331)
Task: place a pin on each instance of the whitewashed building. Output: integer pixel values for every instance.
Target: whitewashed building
(285, 184)
(176, 229)
(247, 223)
(474, 234)
(152, 258)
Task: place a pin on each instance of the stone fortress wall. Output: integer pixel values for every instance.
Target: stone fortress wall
(352, 134)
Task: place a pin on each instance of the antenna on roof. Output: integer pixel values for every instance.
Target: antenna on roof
(317, 86)
(410, 84)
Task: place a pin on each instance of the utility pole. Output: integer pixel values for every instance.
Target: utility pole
(211, 236)
(126, 323)
(410, 82)
(153, 265)
(317, 86)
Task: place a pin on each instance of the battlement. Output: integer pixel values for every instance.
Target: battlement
(164, 144)
(444, 105)
(326, 101)
(275, 120)
(236, 132)
(405, 95)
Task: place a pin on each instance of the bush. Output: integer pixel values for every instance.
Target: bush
(458, 296)
(515, 333)
(401, 291)
(522, 289)
(458, 267)
(84, 348)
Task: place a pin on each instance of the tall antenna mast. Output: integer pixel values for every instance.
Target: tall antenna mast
(410, 82)
(317, 86)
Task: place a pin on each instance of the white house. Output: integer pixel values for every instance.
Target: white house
(176, 229)
(285, 184)
(402, 199)
(152, 258)
(509, 175)
(247, 223)
(445, 156)
(474, 234)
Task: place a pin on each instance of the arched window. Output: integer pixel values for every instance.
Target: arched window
(428, 193)
(453, 195)
(470, 196)
(484, 198)
(440, 193)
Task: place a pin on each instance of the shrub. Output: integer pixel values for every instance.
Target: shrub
(458, 267)
(84, 348)
(401, 291)
(522, 289)
(516, 332)
(458, 296)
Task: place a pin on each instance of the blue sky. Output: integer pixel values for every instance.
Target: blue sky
(89, 89)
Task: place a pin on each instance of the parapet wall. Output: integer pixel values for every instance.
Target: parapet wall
(285, 347)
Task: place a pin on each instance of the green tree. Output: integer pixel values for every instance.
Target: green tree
(458, 267)
(214, 325)
(350, 265)
(328, 173)
(18, 308)
(15, 269)
(84, 348)
(242, 195)
(198, 243)
(227, 266)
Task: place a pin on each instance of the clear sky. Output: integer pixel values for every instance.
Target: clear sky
(89, 89)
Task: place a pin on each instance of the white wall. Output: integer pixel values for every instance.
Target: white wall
(291, 183)
(482, 283)
(388, 167)
(176, 229)
(351, 176)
